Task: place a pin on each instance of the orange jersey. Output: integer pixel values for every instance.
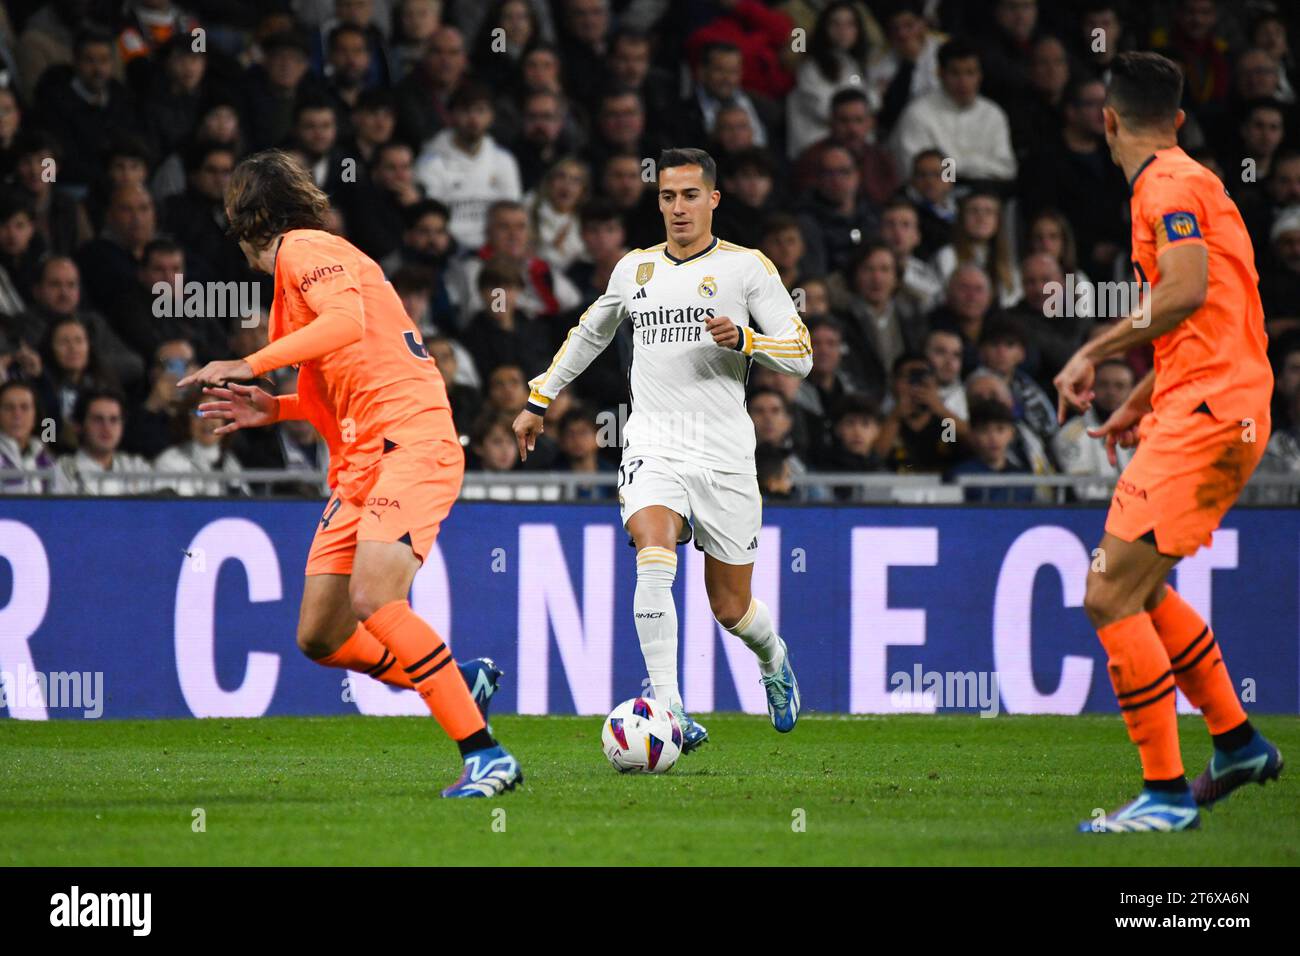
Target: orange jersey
(1218, 354)
(380, 389)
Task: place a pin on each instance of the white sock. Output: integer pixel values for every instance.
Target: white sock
(656, 620)
(755, 629)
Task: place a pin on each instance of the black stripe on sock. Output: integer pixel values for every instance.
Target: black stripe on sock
(1188, 649)
(381, 665)
(1151, 700)
(424, 660)
(433, 670)
(1172, 785)
(1197, 659)
(377, 675)
(1143, 690)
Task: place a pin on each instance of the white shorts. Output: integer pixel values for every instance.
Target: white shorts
(725, 510)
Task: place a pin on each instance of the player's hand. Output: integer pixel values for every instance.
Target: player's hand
(218, 373)
(527, 427)
(723, 330)
(1074, 386)
(1120, 430)
(240, 406)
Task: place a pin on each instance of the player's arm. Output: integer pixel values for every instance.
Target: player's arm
(1184, 281)
(585, 341)
(778, 338)
(247, 406)
(1120, 430)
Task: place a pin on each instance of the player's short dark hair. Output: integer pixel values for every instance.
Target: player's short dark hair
(956, 49)
(989, 411)
(1145, 89)
(690, 156)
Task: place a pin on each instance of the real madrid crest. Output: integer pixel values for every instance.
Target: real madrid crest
(708, 287)
(643, 272)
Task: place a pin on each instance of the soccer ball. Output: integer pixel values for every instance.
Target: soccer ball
(641, 736)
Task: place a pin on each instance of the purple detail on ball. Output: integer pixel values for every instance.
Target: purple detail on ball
(616, 728)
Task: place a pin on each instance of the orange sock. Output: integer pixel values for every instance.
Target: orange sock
(1197, 663)
(429, 665)
(365, 655)
(1140, 673)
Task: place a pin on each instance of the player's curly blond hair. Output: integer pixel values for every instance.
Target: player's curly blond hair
(270, 193)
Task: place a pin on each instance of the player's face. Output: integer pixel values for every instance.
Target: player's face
(687, 203)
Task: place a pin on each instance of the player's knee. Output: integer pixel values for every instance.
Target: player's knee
(1102, 601)
(315, 640)
(730, 608)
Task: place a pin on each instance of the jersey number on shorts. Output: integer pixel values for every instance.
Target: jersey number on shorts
(626, 471)
(415, 345)
(330, 510)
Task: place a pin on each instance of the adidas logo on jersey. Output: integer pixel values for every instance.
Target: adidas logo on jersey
(753, 545)
(640, 293)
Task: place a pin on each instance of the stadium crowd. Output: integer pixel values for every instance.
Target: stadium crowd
(931, 180)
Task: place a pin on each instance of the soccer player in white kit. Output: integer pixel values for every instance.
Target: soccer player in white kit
(702, 310)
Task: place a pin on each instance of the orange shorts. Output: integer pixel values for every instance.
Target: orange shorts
(405, 497)
(1185, 475)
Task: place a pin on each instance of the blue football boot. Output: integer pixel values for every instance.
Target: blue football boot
(694, 735)
(482, 677)
(1256, 762)
(1152, 811)
(487, 772)
(782, 695)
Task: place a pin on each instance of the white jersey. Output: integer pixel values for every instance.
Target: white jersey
(688, 393)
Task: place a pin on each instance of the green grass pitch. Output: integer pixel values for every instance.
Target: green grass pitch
(897, 790)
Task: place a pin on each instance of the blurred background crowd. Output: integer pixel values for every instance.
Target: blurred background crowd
(931, 180)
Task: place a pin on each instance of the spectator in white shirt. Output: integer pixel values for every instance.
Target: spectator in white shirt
(836, 60)
(553, 213)
(968, 128)
(99, 418)
(900, 229)
(1078, 453)
(19, 446)
(466, 169)
(980, 237)
(943, 350)
(201, 455)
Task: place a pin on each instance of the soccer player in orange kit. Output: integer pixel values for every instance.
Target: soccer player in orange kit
(1200, 420)
(367, 384)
